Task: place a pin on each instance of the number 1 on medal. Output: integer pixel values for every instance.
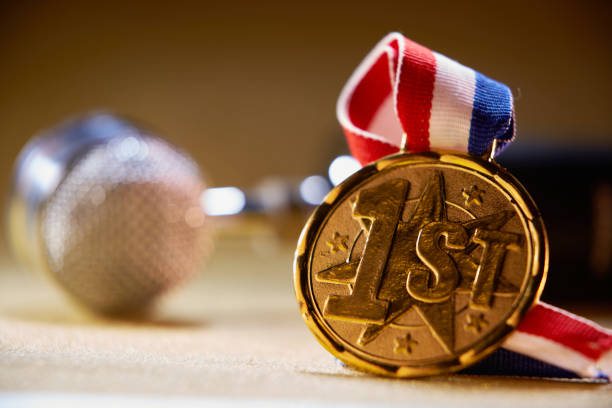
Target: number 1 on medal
(381, 208)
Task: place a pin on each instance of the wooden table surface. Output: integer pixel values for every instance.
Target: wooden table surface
(231, 337)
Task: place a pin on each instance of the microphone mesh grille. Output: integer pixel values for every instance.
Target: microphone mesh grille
(125, 224)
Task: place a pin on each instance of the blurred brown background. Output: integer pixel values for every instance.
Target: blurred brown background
(249, 88)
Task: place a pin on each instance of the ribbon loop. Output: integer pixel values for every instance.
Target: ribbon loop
(402, 87)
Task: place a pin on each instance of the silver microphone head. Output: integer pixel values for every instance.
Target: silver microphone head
(111, 211)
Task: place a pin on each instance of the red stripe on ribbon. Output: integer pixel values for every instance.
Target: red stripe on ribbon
(370, 93)
(367, 150)
(567, 329)
(415, 94)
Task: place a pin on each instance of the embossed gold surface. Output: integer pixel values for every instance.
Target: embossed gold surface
(420, 264)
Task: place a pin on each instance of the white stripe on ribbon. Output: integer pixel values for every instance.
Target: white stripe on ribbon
(551, 352)
(452, 104)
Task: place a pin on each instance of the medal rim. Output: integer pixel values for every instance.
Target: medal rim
(485, 345)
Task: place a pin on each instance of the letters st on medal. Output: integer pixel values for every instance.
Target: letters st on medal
(419, 263)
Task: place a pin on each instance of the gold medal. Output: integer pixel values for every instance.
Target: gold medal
(423, 264)
(420, 264)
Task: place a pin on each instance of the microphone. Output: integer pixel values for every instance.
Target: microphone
(110, 210)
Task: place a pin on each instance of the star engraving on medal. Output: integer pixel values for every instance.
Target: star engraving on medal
(404, 344)
(472, 196)
(403, 260)
(476, 323)
(338, 243)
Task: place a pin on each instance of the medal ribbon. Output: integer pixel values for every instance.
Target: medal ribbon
(404, 89)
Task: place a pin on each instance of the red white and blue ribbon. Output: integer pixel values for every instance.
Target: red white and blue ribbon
(402, 88)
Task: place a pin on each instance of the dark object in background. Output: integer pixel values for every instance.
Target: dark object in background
(573, 190)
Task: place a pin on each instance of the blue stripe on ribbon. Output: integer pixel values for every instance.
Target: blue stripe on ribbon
(506, 362)
(492, 115)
